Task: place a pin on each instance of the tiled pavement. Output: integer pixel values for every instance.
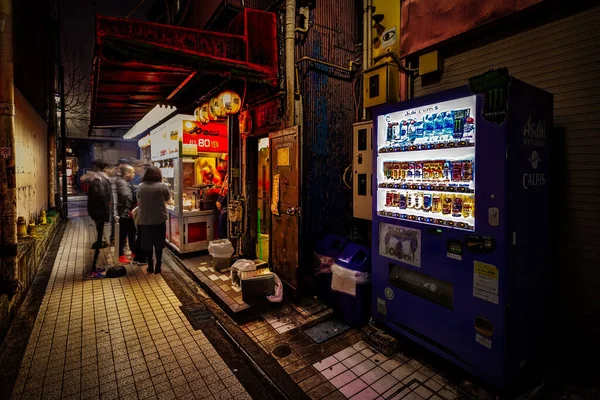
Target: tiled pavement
(123, 338)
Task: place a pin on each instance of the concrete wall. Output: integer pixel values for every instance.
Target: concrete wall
(31, 158)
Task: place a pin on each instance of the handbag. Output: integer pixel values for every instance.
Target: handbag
(135, 213)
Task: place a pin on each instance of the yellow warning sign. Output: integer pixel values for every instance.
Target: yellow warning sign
(485, 282)
(486, 270)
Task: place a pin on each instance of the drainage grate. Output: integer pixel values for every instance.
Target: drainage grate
(198, 316)
(326, 330)
(282, 351)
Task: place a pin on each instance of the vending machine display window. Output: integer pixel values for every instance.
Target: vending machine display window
(426, 164)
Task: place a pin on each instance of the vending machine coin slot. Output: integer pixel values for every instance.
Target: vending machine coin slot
(484, 327)
(480, 244)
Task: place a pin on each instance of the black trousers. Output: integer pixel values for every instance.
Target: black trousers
(140, 255)
(98, 245)
(126, 231)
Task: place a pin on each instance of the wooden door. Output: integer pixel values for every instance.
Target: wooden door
(285, 205)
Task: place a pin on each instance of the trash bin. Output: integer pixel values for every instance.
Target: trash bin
(221, 251)
(351, 281)
(326, 252)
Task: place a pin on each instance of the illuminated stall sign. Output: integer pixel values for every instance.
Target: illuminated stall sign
(211, 137)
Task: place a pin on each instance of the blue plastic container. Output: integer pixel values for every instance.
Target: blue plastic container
(327, 251)
(355, 310)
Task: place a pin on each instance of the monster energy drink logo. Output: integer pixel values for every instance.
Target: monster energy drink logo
(494, 86)
(496, 99)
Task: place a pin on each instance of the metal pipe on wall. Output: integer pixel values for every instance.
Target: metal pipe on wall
(290, 41)
(369, 34)
(8, 192)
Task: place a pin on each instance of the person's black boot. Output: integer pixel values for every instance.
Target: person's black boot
(157, 270)
(150, 267)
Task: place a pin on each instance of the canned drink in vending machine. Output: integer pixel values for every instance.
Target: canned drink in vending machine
(467, 208)
(456, 171)
(418, 201)
(427, 171)
(404, 171)
(427, 202)
(457, 206)
(418, 170)
(402, 202)
(467, 171)
(447, 200)
(410, 200)
(388, 198)
(436, 203)
(396, 199)
(410, 174)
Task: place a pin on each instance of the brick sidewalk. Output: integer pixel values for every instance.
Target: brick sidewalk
(123, 338)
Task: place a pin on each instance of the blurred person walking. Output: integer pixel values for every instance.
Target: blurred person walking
(98, 206)
(152, 197)
(126, 202)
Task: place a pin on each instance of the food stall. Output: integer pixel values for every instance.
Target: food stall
(191, 156)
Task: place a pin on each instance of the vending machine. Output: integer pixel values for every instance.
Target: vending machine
(460, 224)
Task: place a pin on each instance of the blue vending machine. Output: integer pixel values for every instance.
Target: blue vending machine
(460, 224)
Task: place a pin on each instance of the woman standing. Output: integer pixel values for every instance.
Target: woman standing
(152, 196)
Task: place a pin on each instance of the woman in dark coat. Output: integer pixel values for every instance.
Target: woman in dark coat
(152, 196)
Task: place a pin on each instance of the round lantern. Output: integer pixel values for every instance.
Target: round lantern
(198, 115)
(230, 101)
(204, 113)
(215, 107)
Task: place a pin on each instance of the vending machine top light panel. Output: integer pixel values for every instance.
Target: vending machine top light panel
(426, 164)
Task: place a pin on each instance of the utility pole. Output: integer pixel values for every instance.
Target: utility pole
(63, 122)
(8, 193)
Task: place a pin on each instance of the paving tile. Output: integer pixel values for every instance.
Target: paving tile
(321, 391)
(403, 372)
(366, 394)
(363, 367)
(384, 384)
(312, 382)
(354, 360)
(373, 375)
(334, 370)
(390, 365)
(303, 374)
(343, 379)
(344, 354)
(326, 363)
(353, 387)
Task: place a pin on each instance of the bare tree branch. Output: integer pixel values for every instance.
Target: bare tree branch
(77, 89)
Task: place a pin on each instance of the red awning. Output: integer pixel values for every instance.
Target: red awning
(139, 64)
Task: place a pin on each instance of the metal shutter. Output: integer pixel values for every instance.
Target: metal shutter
(562, 57)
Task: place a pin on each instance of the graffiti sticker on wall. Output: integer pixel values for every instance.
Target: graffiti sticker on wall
(400, 243)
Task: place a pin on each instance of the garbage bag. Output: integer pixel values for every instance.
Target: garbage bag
(221, 248)
(240, 265)
(278, 296)
(344, 280)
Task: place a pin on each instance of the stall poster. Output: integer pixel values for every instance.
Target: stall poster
(275, 197)
(400, 244)
(209, 138)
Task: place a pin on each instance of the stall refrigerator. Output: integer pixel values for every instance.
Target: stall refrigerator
(460, 225)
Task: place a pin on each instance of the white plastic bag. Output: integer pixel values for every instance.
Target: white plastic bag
(237, 267)
(278, 296)
(345, 280)
(221, 248)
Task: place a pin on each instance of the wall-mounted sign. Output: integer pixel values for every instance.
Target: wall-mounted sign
(210, 137)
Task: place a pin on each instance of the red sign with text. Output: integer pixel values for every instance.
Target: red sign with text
(211, 137)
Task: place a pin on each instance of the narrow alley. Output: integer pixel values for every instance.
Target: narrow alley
(123, 338)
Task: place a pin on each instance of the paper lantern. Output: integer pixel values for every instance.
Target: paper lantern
(198, 115)
(204, 113)
(230, 101)
(209, 113)
(215, 107)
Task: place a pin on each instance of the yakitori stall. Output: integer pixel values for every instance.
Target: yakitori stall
(192, 158)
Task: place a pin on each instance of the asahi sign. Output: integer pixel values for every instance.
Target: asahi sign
(534, 136)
